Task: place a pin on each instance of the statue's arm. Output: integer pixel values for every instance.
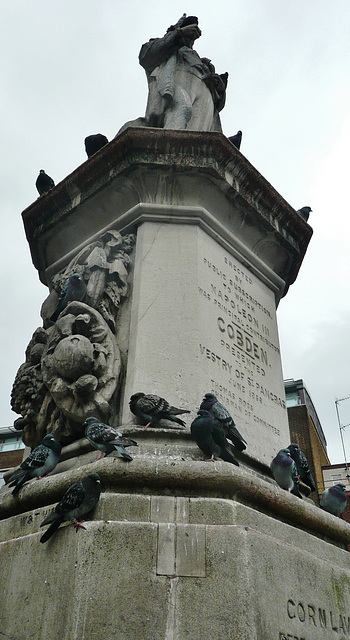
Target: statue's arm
(158, 50)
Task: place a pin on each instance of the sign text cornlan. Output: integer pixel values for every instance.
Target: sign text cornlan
(309, 616)
(240, 341)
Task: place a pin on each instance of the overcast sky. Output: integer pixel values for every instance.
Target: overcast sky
(70, 68)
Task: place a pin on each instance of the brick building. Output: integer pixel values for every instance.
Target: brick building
(11, 449)
(306, 430)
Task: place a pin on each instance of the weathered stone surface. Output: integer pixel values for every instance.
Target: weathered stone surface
(183, 479)
(142, 172)
(164, 567)
(198, 310)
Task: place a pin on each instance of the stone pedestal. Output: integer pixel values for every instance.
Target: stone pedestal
(179, 548)
(216, 249)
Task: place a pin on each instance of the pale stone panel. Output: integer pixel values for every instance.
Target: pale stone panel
(201, 321)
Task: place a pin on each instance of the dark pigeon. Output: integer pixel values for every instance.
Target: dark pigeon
(304, 212)
(78, 500)
(285, 472)
(302, 466)
(236, 139)
(150, 408)
(334, 499)
(219, 412)
(106, 438)
(74, 288)
(210, 437)
(43, 182)
(39, 463)
(94, 143)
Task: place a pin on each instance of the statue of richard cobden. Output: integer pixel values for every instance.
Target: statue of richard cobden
(184, 90)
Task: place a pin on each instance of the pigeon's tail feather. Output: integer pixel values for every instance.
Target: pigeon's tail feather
(123, 452)
(238, 442)
(52, 528)
(18, 482)
(175, 411)
(51, 517)
(227, 455)
(15, 477)
(295, 491)
(174, 419)
(56, 313)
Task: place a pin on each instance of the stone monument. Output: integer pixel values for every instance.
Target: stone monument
(184, 250)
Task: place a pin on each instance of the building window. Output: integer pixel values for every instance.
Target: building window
(292, 399)
(11, 443)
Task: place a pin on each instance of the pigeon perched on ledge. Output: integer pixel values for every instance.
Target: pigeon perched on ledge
(78, 500)
(74, 288)
(94, 143)
(304, 212)
(39, 463)
(334, 499)
(43, 182)
(236, 139)
(219, 412)
(107, 439)
(302, 465)
(285, 472)
(210, 437)
(151, 409)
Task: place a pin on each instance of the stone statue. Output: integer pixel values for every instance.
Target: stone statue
(185, 92)
(73, 364)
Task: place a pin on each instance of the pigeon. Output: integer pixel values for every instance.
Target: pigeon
(334, 499)
(305, 212)
(219, 412)
(106, 438)
(151, 409)
(39, 463)
(236, 139)
(302, 466)
(43, 182)
(284, 470)
(94, 143)
(210, 437)
(74, 288)
(79, 499)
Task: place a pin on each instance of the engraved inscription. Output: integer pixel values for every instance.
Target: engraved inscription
(238, 346)
(319, 617)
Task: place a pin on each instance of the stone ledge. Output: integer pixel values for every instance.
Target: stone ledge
(206, 155)
(184, 478)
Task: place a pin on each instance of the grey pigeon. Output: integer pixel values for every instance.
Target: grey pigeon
(79, 499)
(106, 438)
(334, 499)
(302, 466)
(304, 212)
(39, 463)
(285, 472)
(94, 143)
(74, 288)
(43, 182)
(210, 437)
(219, 412)
(236, 139)
(151, 409)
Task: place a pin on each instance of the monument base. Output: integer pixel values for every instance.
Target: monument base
(175, 549)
